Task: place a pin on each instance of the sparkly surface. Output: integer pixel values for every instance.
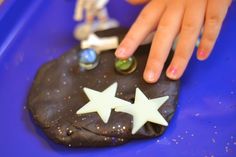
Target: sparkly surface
(80, 91)
(88, 59)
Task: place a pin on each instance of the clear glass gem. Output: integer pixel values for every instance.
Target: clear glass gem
(126, 66)
(88, 59)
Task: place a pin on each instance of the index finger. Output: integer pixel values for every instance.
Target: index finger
(145, 23)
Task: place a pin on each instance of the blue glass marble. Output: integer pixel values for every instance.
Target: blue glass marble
(88, 59)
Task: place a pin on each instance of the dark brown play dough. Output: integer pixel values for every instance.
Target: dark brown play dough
(57, 93)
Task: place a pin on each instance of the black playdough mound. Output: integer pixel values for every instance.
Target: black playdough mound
(57, 93)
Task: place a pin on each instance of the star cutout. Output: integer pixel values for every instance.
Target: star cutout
(144, 110)
(102, 102)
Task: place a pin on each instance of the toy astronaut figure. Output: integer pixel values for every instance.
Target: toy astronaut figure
(96, 17)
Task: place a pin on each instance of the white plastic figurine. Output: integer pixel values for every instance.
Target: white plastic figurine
(96, 17)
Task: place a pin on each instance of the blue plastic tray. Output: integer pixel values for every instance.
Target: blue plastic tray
(33, 32)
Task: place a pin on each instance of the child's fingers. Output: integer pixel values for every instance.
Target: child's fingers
(191, 26)
(135, 2)
(162, 42)
(145, 23)
(216, 12)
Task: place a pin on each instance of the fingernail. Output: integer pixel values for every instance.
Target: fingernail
(201, 54)
(172, 72)
(120, 52)
(150, 76)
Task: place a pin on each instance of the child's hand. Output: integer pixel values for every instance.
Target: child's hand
(171, 18)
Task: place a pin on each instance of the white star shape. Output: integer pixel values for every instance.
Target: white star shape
(144, 110)
(102, 102)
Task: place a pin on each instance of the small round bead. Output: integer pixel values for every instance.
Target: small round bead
(88, 59)
(126, 66)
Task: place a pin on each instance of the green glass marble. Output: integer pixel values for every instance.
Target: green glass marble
(126, 66)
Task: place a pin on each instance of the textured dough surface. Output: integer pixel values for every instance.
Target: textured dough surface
(57, 93)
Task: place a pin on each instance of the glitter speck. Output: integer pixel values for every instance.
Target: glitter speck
(113, 127)
(59, 130)
(98, 127)
(64, 82)
(124, 127)
(121, 139)
(69, 145)
(84, 118)
(213, 140)
(105, 76)
(58, 91)
(69, 132)
(48, 93)
(226, 149)
(192, 135)
(118, 126)
(197, 114)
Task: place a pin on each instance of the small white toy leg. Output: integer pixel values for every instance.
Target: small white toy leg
(100, 44)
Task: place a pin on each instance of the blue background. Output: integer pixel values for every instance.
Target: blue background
(33, 32)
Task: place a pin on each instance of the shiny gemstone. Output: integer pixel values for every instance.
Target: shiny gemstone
(126, 66)
(88, 59)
